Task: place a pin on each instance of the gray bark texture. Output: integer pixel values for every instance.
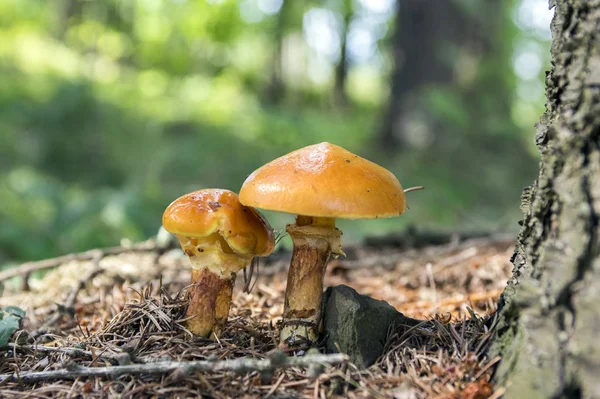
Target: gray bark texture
(549, 314)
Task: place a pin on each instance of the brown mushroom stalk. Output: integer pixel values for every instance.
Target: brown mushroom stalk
(209, 299)
(220, 237)
(214, 267)
(319, 183)
(314, 239)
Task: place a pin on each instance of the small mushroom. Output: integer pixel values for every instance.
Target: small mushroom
(318, 183)
(220, 237)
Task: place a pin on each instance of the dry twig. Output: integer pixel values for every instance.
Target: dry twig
(278, 360)
(29, 267)
(69, 351)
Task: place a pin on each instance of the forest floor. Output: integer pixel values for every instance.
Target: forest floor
(129, 309)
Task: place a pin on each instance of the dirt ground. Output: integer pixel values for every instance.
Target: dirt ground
(129, 309)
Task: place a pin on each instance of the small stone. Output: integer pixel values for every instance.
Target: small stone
(359, 325)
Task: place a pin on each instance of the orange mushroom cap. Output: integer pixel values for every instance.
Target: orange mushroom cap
(325, 180)
(202, 213)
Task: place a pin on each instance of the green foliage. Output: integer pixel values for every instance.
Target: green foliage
(109, 110)
(10, 321)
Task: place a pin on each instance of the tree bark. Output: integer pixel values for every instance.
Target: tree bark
(549, 314)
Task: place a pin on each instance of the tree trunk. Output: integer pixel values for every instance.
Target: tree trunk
(341, 70)
(427, 43)
(66, 9)
(549, 314)
(421, 29)
(275, 90)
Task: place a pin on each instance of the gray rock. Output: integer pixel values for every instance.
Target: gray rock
(359, 325)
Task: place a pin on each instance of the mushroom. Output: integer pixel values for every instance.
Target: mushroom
(220, 237)
(318, 183)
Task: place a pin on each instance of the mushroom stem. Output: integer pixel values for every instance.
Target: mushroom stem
(314, 239)
(213, 276)
(209, 300)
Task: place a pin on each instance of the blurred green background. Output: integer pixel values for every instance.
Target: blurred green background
(110, 109)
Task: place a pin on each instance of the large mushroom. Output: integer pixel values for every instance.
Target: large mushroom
(220, 237)
(318, 183)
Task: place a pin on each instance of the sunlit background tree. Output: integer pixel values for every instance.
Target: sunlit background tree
(109, 109)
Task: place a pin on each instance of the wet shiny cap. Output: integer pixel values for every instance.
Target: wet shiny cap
(325, 180)
(205, 212)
